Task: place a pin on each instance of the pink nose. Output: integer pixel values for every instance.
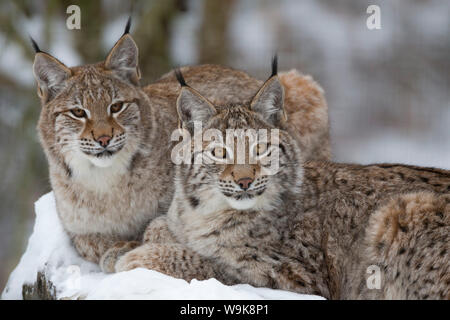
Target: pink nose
(244, 183)
(104, 141)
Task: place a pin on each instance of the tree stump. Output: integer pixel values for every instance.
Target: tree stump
(42, 289)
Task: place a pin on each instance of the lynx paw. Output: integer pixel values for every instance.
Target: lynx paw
(146, 256)
(158, 232)
(110, 257)
(171, 259)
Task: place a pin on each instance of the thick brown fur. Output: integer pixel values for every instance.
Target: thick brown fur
(318, 227)
(105, 198)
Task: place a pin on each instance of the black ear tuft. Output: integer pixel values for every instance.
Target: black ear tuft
(274, 65)
(180, 78)
(128, 26)
(35, 45)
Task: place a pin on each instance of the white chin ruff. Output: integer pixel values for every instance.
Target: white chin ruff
(102, 162)
(243, 204)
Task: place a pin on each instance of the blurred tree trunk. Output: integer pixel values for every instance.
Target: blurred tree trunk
(88, 40)
(213, 33)
(153, 36)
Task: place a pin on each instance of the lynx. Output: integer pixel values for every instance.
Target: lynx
(314, 227)
(107, 139)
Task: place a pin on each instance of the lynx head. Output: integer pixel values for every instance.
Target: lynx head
(234, 161)
(90, 114)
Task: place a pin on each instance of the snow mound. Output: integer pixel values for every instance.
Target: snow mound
(50, 251)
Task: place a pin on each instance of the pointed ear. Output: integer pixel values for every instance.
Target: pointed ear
(50, 74)
(123, 60)
(192, 106)
(269, 101)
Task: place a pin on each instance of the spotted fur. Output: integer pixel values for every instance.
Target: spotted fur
(109, 194)
(317, 227)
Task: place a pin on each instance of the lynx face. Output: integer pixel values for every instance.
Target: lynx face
(91, 114)
(246, 180)
(241, 184)
(96, 118)
(237, 173)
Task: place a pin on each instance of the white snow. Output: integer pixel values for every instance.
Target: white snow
(49, 250)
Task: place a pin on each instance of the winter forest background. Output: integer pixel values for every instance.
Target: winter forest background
(387, 89)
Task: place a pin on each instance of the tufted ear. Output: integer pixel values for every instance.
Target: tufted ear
(192, 106)
(123, 58)
(50, 75)
(268, 102)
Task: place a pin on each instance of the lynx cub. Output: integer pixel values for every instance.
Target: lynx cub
(107, 139)
(313, 227)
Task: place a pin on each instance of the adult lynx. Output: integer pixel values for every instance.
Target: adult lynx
(107, 139)
(313, 227)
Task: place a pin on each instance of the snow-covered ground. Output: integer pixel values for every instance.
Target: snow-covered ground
(49, 250)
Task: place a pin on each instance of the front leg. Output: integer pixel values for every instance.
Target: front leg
(101, 249)
(158, 232)
(162, 252)
(172, 259)
(92, 246)
(110, 257)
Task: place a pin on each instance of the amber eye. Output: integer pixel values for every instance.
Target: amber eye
(116, 107)
(260, 148)
(78, 112)
(219, 152)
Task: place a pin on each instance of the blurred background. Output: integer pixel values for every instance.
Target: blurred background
(387, 89)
